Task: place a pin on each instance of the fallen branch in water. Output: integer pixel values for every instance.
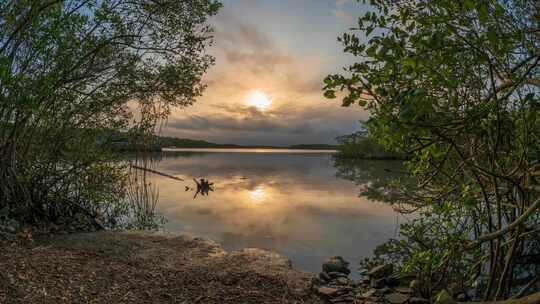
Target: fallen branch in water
(157, 172)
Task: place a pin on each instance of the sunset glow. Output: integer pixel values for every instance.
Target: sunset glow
(259, 100)
(265, 85)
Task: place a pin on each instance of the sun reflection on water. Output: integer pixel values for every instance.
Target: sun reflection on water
(258, 195)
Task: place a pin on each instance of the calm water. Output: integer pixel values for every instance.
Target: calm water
(287, 201)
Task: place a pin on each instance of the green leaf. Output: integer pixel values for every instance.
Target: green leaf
(369, 30)
(327, 81)
(483, 13)
(330, 94)
(499, 10)
(469, 4)
(409, 62)
(492, 36)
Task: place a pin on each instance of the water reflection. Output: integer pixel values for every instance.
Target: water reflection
(288, 202)
(373, 177)
(257, 195)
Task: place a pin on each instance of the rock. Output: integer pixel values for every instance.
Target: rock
(365, 281)
(462, 297)
(327, 291)
(401, 289)
(344, 289)
(336, 264)
(392, 281)
(383, 291)
(342, 281)
(396, 298)
(417, 300)
(381, 271)
(368, 294)
(443, 297)
(472, 294)
(335, 274)
(377, 283)
(342, 300)
(315, 281)
(324, 276)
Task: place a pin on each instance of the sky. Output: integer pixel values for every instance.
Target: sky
(266, 85)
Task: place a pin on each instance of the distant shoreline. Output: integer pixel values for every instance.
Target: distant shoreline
(250, 150)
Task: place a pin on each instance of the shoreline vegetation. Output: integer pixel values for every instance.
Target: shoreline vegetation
(454, 84)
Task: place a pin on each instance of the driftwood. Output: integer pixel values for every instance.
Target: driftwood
(157, 172)
(203, 187)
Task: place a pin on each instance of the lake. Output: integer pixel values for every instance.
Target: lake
(297, 203)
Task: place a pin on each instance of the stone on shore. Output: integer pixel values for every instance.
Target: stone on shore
(333, 284)
(335, 274)
(324, 276)
(381, 271)
(343, 281)
(336, 264)
(377, 283)
(462, 297)
(327, 291)
(368, 294)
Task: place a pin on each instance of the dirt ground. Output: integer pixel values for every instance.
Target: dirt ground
(128, 267)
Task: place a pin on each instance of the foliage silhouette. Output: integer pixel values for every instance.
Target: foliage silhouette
(72, 70)
(456, 85)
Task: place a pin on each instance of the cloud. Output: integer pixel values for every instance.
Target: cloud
(248, 59)
(255, 56)
(312, 126)
(224, 123)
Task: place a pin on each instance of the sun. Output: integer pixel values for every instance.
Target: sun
(259, 100)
